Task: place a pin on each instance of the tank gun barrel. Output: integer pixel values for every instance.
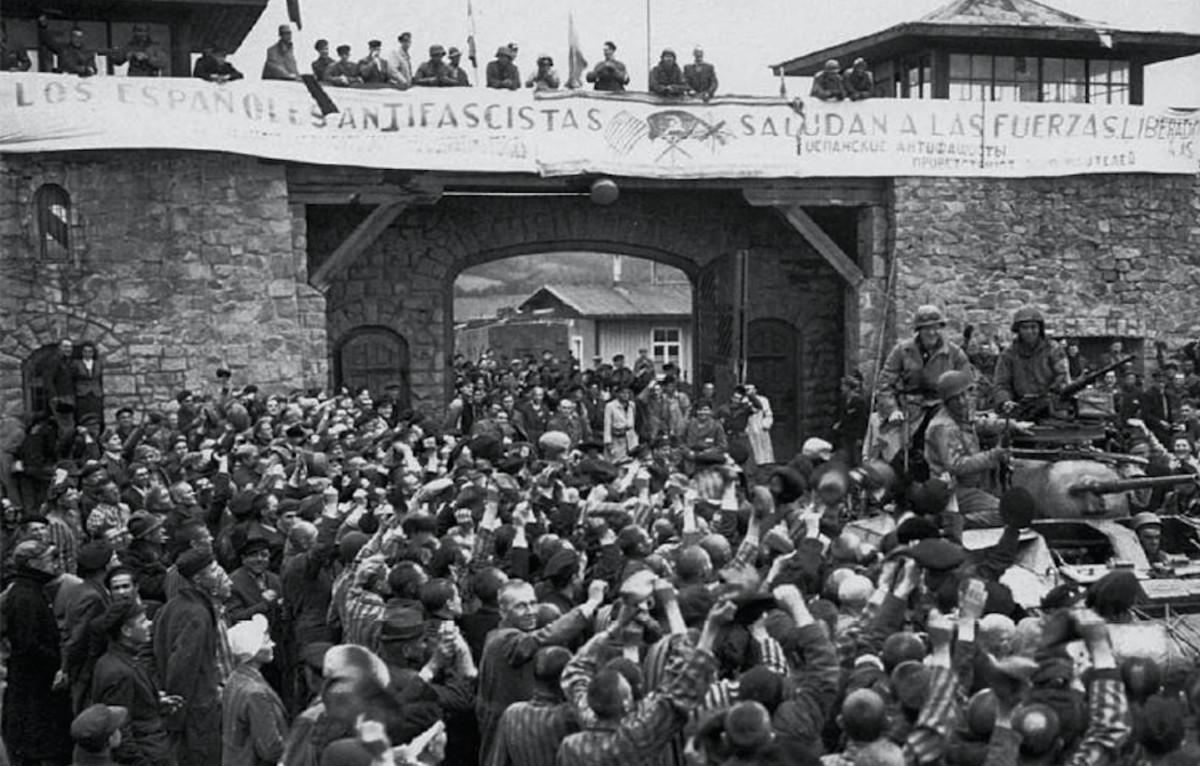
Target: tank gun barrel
(1100, 487)
(1084, 381)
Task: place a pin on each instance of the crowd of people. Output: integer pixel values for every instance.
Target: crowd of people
(395, 69)
(568, 567)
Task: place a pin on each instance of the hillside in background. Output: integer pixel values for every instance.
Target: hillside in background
(525, 273)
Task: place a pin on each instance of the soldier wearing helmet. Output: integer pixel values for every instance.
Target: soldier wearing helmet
(1033, 366)
(907, 389)
(953, 453)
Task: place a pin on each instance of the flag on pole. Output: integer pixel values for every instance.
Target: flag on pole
(293, 7)
(575, 60)
(471, 56)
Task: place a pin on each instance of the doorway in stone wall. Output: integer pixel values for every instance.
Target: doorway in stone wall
(772, 365)
(375, 358)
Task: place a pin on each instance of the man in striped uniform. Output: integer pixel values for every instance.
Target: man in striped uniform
(622, 735)
(530, 732)
(506, 668)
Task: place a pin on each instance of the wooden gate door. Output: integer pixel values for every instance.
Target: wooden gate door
(717, 311)
(377, 358)
(772, 364)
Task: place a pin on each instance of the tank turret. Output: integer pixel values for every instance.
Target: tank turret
(1076, 489)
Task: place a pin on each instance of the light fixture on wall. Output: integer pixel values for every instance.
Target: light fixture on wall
(605, 191)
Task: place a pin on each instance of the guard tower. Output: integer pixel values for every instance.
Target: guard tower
(1005, 50)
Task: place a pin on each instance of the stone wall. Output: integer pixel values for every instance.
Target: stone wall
(1100, 255)
(404, 280)
(179, 263)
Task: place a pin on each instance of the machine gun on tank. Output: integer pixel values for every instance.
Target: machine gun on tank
(1061, 403)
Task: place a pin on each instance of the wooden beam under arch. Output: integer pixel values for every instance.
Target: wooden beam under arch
(363, 236)
(816, 236)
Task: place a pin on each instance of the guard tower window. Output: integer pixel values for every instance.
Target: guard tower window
(52, 206)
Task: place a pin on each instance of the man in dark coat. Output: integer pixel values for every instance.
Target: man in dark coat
(502, 73)
(120, 679)
(666, 78)
(87, 381)
(609, 74)
(90, 599)
(37, 717)
(255, 589)
(700, 76)
(185, 655)
(59, 382)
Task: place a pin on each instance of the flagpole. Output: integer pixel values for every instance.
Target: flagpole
(648, 55)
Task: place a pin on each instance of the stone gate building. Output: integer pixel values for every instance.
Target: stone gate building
(179, 259)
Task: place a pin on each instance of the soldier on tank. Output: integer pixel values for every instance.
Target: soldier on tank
(907, 390)
(1033, 366)
(953, 453)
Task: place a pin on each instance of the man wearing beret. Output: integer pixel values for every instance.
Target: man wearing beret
(187, 642)
(120, 678)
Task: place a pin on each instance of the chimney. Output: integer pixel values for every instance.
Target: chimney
(616, 266)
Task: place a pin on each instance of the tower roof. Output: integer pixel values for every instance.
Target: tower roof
(1016, 27)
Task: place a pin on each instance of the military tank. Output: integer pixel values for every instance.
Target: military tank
(1085, 498)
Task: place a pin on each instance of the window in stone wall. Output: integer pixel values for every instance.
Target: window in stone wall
(33, 373)
(52, 208)
(375, 358)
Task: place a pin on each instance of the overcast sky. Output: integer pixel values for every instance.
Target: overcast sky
(741, 37)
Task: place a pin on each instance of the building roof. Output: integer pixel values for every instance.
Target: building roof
(623, 300)
(468, 308)
(1025, 13)
(1016, 27)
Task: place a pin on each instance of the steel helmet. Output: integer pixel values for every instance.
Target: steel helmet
(1146, 519)
(1028, 314)
(952, 383)
(928, 316)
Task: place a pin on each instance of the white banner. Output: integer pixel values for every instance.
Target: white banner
(566, 133)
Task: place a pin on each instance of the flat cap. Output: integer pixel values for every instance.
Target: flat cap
(192, 562)
(93, 557)
(937, 554)
(404, 624)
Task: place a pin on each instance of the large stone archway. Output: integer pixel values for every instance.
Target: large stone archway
(403, 280)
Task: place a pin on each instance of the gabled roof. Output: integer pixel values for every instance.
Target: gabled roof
(471, 307)
(624, 300)
(1007, 12)
(1015, 27)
